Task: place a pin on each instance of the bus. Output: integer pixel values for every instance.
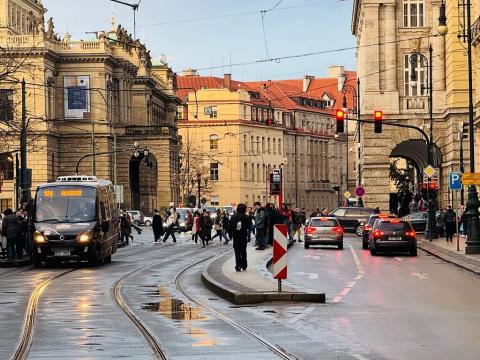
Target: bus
(75, 218)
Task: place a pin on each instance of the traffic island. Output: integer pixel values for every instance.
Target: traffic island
(8, 263)
(253, 286)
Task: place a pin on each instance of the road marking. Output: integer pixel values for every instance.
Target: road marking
(360, 274)
(304, 313)
(398, 259)
(359, 356)
(311, 276)
(420, 276)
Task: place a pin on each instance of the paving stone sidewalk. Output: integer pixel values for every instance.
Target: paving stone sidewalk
(448, 251)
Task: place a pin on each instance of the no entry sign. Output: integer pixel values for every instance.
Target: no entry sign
(280, 251)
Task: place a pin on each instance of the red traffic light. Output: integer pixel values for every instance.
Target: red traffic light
(433, 186)
(340, 114)
(378, 115)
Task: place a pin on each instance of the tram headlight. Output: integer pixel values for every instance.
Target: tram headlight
(39, 238)
(85, 237)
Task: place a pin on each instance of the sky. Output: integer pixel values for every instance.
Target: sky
(209, 35)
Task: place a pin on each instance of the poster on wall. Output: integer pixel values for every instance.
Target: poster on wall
(77, 97)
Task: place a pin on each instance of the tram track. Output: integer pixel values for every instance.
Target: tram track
(274, 348)
(23, 348)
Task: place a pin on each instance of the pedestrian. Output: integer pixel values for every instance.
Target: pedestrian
(324, 212)
(287, 220)
(463, 220)
(238, 228)
(225, 220)
(377, 210)
(297, 221)
(260, 226)
(22, 238)
(12, 230)
(450, 223)
(206, 226)
(188, 221)
(218, 226)
(413, 206)
(125, 227)
(196, 227)
(440, 220)
(251, 229)
(315, 213)
(170, 226)
(157, 225)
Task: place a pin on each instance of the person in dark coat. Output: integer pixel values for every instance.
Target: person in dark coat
(238, 228)
(450, 223)
(157, 225)
(12, 230)
(206, 227)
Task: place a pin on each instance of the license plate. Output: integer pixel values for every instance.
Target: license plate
(395, 238)
(62, 252)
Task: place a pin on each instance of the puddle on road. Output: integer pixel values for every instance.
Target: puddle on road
(175, 309)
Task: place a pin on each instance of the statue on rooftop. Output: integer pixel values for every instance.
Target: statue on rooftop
(50, 34)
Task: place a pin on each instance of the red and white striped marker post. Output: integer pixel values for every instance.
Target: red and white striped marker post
(280, 253)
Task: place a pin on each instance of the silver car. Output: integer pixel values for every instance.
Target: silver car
(323, 231)
(136, 216)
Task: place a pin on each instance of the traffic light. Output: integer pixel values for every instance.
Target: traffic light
(378, 117)
(336, 188)
(424, 191)
(432, 190)
(340, 116)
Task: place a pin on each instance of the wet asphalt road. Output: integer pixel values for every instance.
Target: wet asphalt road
(385, 307)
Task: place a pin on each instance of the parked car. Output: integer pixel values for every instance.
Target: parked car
(418, 221)
(323, 231)
(368, 226)
(136, 216)
(147, 220)
(393, 234)
(350, 218)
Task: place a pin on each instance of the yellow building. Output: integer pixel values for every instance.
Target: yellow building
(238, 132)
(476, 67)
(87, 96)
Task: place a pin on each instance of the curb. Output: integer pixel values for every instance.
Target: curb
(448, 256)
(14, 263)
(244, 298)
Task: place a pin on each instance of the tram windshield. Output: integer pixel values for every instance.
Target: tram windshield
(66, 204)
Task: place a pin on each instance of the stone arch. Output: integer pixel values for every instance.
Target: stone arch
(143, 182)
(415, 150)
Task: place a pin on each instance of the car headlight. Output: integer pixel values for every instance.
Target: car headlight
(85, 237)
(39, 238)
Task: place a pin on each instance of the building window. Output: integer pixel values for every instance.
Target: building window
(253, 173)
(180, 113)
(268, 145)
(263, 145)
(214, 171)
(245, 171)
(245, 115)
(6, 105)
(214, 200)
(279, 147)
(413, 13)
(258, 144)
(211, 111)
(419, 67)
(252, 144)
(274, 146)
(213, 142)
(245, 143)
(6, 166)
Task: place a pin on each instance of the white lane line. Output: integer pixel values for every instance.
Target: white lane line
(398, 259)
(358, 277)
(300, 316)
(359, 356)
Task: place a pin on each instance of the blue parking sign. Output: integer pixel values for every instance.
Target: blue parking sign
(455, 181)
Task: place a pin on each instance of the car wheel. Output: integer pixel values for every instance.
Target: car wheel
(148, 223)
(413, 251)
(340, 246)
(364, 245)
(359, 231)
(373, 251)
(306, 246)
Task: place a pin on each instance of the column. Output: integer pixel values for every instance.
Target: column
(390, 29)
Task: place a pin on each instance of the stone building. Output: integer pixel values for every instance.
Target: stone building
(388, 34)
(89, 96)
(255, 127)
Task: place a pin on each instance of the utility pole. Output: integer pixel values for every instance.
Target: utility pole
(23, 149)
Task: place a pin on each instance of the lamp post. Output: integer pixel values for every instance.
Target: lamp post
(417, 58)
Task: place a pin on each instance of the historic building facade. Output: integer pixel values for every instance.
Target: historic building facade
(244, 130)
(90, 96)
(388, 34)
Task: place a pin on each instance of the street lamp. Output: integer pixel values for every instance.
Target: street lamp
(415, 59)
(199, 185)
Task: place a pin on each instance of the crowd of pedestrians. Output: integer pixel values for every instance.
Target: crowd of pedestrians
(14, 235)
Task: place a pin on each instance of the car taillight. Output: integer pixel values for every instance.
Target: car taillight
(411, 233)
(378, 233)
(337, 230)
(309, 230)
(367, 228)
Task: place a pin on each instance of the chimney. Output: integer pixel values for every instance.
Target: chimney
(337, 71)
(227, 81)
(306, 82)
(189, 72)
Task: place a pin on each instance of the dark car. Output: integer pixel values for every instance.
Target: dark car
(323, 231)
(350, 218)
(368, 226)
(393, 235)
(418, 221)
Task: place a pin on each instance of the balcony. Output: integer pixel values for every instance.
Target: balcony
(476, 32)
(414, 103)
(150, 130)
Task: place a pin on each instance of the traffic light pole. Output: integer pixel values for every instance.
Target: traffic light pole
(23, 149)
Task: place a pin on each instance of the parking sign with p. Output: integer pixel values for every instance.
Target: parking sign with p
(455, 181)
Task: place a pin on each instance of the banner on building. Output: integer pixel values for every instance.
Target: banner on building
(77, 97)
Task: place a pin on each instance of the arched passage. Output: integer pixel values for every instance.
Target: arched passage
(143, 183)
(415, 150)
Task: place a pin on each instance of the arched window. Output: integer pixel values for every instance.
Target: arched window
(213, 142)
(6, 166)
